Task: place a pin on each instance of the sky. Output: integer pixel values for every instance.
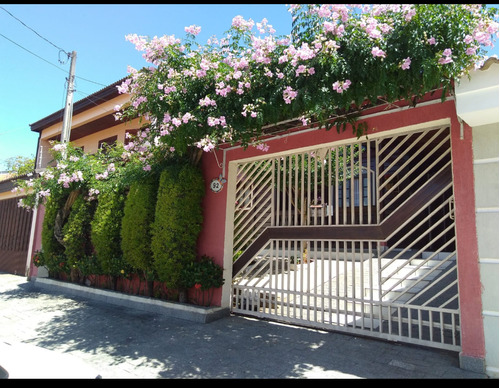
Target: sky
(33, 81)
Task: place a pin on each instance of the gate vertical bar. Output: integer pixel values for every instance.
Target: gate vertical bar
(360, 183)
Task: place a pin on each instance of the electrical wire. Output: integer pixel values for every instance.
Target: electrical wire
(48, 41)
(84, 79)
(50, 63)
(87, 97)
(32, 53)
(57, 47)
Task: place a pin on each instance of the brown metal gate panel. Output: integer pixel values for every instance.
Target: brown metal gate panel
(15, 226)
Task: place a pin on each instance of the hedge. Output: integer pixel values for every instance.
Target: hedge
(177, 224)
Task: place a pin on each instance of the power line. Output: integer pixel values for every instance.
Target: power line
(48, 41)
(50, 63)
(84, 79)
(60, 49)
(32, 53)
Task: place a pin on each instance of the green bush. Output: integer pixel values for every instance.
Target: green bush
(105, 232)
(138, 215)
(205, 276)
(203, 272)
(177, 224)
(90, 266)
(51, 248)
(76, 232)
(56, 264)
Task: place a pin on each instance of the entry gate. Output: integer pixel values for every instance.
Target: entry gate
(356, 237)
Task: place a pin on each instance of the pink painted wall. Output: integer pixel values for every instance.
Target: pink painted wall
(473, 344)
(212, 237)
(37, 239)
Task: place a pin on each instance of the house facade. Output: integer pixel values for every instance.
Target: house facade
(477, 105)
(392, 235)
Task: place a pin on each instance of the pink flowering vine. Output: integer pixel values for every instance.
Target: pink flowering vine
(193, 97)
(446, 58)
(289, 94)
(237, 78)
(406, 63)
(341, 86)
(377, 52)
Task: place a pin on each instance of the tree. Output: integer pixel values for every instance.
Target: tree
(338, 60)
(76, 236)
(20, 165)
(52, 249)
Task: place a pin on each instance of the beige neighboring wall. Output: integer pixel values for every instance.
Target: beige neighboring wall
(485, 146)
(477, 105)
(7, 195)
(91, 141)
(87, 116)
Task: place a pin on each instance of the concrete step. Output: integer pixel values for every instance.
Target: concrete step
(404, 280)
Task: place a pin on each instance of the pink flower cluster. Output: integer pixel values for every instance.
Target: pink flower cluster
(446, 58)
(241, 24)
(193, 30)
(406, 63)
(66, 180)
(206, 144)
(289, 94)
(92, 194)
(213, 121)
(153, 49)
(228, 71)
(341, 86)
(377, 52)
(249, 108)
(207, 101)
(262, 147)
(374, 29)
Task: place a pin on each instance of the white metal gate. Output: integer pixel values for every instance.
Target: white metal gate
(356, 237)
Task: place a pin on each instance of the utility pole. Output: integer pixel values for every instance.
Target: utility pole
(68, 108)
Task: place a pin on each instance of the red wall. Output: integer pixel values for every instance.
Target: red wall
(211, 240)
(468, 257)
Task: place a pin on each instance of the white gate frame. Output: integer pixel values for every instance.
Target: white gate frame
(230, 205)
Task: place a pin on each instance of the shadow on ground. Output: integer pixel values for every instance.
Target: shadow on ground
(122, 342)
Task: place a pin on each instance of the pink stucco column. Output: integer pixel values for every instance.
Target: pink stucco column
(37, 239)
(471, 324)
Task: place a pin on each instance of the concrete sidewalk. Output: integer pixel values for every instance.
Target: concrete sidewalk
(52, 334)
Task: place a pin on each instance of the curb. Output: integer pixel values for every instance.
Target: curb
(175, 310)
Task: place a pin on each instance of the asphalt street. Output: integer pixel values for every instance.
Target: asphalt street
(53, 335)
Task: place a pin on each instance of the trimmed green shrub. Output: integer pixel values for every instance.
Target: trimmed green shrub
(53, 251)
(76, 233)
(205, 276)
(204, 273)
(105, 232)
(138, 215)
(178, 219)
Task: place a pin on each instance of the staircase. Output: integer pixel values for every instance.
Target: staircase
(408, 281)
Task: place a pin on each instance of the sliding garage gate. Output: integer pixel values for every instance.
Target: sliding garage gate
(356, 237)
(15, 227)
